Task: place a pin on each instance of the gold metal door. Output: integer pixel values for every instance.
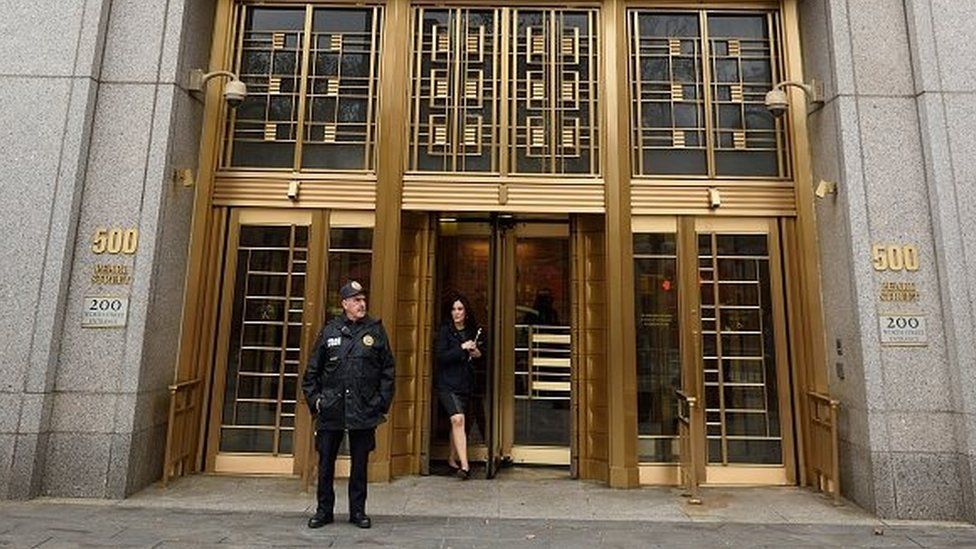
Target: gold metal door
(713, 365)
(516, 275)
(271, 279)
(465, 250)
(744, 376)
(537, 382)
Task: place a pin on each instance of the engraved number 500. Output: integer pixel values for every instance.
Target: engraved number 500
(115, 241)
(894, 258)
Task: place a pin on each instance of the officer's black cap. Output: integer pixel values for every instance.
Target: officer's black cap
(351, 289)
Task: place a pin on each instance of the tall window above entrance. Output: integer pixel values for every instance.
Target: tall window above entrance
(504, 91)
(311, 75)
(699, 81)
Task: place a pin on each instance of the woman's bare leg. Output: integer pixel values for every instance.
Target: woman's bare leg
(452, 461)
(460, 440)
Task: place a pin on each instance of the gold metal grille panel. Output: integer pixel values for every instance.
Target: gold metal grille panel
(581, 196)
(526, 80)
(554, 66)
(705, 73)
(738, 351)
(342, 84)
(455, 90)
(738, 199)
(312, 73)
(260, 190)
(262, 374)
(264, 130)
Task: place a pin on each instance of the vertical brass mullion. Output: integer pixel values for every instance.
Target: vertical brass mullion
(594, 64)
(621, 373)
(313, 309)
(303, 90)
(690, 330)
(455, 99)
(223, 324)
(230, 318)
(228, 126)
(393, 137)
(784, 389)
(706, 54)
(719, 362)
(416, 83)
(775, 72)
(505, 125)
(554, 98)
(636, 85)
(284, 343)
(368, 159)
(496, 86)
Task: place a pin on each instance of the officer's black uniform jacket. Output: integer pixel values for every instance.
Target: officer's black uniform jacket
(350, 375)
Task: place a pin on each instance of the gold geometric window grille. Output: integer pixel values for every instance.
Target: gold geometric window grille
(263, 131)
(312, 77)
(698, 82)
(541, 119)
(455, 90)
(554, 115)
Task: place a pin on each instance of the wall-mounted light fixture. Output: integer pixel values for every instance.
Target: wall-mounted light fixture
(714, 198)
(235, 91)
(824, 188)
(294, 187)
(778, 102)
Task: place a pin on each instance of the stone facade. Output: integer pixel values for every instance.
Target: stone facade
(896, 134)
(95, 118)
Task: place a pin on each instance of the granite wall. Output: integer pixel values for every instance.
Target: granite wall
(891, 134)
(94, 119)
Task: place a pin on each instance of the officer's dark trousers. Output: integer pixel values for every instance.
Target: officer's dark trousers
(361, 443)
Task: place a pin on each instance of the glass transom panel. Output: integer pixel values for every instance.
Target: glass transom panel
(698, 85)
(312, 80)
(504, 91)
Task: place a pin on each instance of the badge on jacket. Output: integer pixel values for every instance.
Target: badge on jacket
(368, 340)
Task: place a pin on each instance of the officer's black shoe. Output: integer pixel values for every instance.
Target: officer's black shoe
(361, 520)
(320, 519)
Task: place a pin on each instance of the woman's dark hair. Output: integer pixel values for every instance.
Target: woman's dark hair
(470, 323)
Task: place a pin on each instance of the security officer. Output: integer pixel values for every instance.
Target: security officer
(348, 386)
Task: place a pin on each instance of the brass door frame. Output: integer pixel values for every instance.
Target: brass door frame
(231, 462)
(501, 254)
(500, 441)
(756, 474)
(687, 229)
(525, 453)
(691, 432)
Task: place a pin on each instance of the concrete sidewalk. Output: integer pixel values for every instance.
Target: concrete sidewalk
(49, 525)
(527, 508)
(521, 493)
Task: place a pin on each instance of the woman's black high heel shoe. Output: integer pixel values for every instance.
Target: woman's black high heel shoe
(463, 474)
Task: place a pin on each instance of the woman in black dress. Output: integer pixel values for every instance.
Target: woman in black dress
(459, 344)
